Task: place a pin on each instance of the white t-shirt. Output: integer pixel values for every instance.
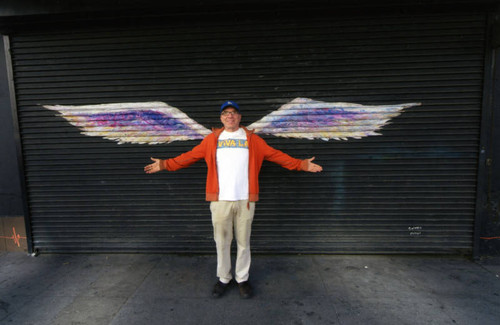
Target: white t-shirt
(232, 165)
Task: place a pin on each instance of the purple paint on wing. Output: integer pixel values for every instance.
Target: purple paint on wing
(142, 120)
(317, 117)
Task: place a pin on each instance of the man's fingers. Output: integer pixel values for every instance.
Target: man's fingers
(154, 167)
(312, 167)
(315, 168)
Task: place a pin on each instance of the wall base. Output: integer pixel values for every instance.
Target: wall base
(13, 234)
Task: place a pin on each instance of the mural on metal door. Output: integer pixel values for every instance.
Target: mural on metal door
(158, 122)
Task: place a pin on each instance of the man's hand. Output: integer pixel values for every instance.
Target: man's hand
(154, 167)
(312, 167)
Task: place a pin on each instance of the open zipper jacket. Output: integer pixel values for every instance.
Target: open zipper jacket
(259, 151)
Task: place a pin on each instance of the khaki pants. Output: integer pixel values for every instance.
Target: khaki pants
(226, 216)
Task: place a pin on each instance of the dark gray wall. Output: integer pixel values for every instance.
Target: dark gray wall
(10, 189)
(410, 190)
(14, 13)
(489, 185)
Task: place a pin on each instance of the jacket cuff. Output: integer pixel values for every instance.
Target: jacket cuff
(303, 165)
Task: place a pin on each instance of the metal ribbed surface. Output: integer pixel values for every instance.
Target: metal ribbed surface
(411, 190)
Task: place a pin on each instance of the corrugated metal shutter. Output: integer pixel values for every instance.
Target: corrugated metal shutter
(411, 190)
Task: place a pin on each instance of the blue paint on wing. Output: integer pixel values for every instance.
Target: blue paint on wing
(315, 118)
(142, 121)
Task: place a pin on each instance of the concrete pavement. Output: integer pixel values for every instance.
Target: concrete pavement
(289, 289)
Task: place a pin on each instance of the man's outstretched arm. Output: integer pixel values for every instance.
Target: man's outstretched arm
(182, 161)
(285, 160)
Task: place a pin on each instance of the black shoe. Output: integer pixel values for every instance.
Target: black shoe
(245, 290)
(219, 289)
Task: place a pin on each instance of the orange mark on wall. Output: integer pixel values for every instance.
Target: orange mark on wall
(15, 237)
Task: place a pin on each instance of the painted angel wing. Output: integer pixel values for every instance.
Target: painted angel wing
(141, 123)
(310, 119)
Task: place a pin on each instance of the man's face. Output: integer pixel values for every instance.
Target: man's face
(231, 119)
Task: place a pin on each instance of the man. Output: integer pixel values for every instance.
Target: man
(234, 156)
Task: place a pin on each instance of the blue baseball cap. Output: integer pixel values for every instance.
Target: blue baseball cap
(229, 103)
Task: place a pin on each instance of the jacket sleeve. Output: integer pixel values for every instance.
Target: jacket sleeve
(186, 159)
(279, 157)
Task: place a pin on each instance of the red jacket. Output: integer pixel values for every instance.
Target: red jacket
(258, 151)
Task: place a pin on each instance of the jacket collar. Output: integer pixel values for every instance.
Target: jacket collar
(217, 131)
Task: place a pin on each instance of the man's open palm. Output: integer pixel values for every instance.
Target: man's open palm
(154, 167)
(312, 167)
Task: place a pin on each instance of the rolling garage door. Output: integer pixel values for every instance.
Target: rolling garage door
(409, 190)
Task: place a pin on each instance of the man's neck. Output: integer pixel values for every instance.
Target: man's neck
(231, 130)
